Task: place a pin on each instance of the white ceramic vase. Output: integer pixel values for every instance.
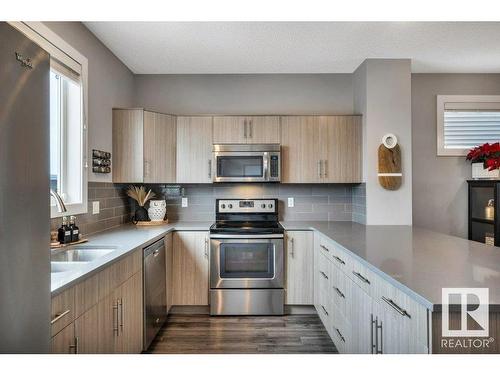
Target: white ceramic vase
(479, 172)
(157, 210)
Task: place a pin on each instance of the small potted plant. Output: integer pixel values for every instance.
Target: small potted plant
(485, 161)
(140, 195)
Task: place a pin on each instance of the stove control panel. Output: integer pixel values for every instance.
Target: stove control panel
(247, 205)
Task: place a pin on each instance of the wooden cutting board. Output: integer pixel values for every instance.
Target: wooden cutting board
(390, 174)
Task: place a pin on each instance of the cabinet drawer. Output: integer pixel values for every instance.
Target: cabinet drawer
(62, 310)
(341, 291)
(324, 274)
(324, 309)
(334, 253)
(363, 277)
(86, 295)
(341, 332)
(118, 273)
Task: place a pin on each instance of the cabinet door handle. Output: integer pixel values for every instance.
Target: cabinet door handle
(361, 277)
(115, 318)
(323, 274)
(245, 129)
(340, 335)
(380, 350)
(146, 168)
(206, 248)
(319, 168)
(74, 346)
(338, 259)
(59, 316)
(339, 292)
(209, 169)
(324, 310)
(121, 315)
(324, 168)
(250, 128)
(325, 248)
(292, 250)
(391, 303)
(373, 345)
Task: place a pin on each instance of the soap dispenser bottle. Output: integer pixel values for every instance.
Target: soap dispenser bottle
(75, 231)
(64, 232)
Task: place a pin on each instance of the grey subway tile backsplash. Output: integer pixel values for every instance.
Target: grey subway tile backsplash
(331, 202)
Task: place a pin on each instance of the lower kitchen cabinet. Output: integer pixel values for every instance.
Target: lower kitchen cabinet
(365, 317)
(190, 268)
(300, 267)
(86, 328)
(65, 341)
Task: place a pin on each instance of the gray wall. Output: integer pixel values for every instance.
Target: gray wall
(382, 93)
(439, 183)
(246, 94)
(111, 84)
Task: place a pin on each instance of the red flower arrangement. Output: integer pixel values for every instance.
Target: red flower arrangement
(488, 154)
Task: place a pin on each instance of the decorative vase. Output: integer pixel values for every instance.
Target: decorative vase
(157, 210)
(480, 173)
(141, 214)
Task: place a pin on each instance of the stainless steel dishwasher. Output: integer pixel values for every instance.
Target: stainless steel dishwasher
(155, 298)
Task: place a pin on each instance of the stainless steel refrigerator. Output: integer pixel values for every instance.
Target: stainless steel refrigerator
(24, 194)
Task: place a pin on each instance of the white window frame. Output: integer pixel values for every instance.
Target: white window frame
(69, 56)
(460, 101)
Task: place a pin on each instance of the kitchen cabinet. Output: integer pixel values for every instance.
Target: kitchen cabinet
(362, 312)
(190, 268)
(321, 149)
(64, 342)
(194, 149)
(300, 268)
(246, 129)
(86, 328)
(144, 146)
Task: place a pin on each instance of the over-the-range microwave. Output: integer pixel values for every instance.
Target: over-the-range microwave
(247, 162)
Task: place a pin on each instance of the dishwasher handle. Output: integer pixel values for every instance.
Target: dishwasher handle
(153, 247)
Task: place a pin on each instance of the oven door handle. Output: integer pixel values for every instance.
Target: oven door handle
(245, 236)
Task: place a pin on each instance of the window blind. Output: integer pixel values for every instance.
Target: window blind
(465, 129)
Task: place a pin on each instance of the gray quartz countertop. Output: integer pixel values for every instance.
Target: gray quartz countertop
(122, 240)
(418, 261)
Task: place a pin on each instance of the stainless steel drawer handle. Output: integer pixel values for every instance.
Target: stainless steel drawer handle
(325, 248)
(391, 303)
(338, 259)
(323, 274)
(340, 335)
(120, 303)
(339, 292)
(59, 316)
(75, 345)
(361, 277)
(115, 317)
(324, 310)
(156, 252)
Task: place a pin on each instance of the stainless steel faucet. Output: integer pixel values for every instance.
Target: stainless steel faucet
(61, 207)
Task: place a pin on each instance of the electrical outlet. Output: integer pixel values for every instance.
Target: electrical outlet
(95, 207)
(291, 202)
(184, 202)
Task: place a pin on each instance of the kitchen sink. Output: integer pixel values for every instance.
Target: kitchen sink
(59, 267)
(81, 254)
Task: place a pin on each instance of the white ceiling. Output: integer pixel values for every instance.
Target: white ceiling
(299, 47)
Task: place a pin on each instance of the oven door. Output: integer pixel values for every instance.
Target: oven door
(246, 262)
(233, 166)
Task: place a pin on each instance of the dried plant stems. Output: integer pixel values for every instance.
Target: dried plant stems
(140, 195)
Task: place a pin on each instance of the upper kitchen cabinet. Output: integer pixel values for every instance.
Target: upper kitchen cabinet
(144, 146)
(246, 129)
(321, 149)
(194, 149)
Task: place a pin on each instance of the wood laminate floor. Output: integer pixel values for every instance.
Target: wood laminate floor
(203, 334)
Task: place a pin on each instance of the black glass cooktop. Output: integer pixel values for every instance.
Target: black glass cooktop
(245, 227)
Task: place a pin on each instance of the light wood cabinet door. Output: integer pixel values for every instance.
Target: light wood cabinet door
(64, 342)
(194, 149)
(128, 145)
(230, 129)
(131, 315)
(341, 144)
(108, 323)
(159, 147)
(190, 268)
(86, 329)
(300, 149)
(362, 319)
(300, 268)
(263, 129)
(62, 310)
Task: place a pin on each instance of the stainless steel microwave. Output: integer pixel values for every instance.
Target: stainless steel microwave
(247, 162)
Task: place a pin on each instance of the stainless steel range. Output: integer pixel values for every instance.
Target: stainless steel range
(246, 258)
